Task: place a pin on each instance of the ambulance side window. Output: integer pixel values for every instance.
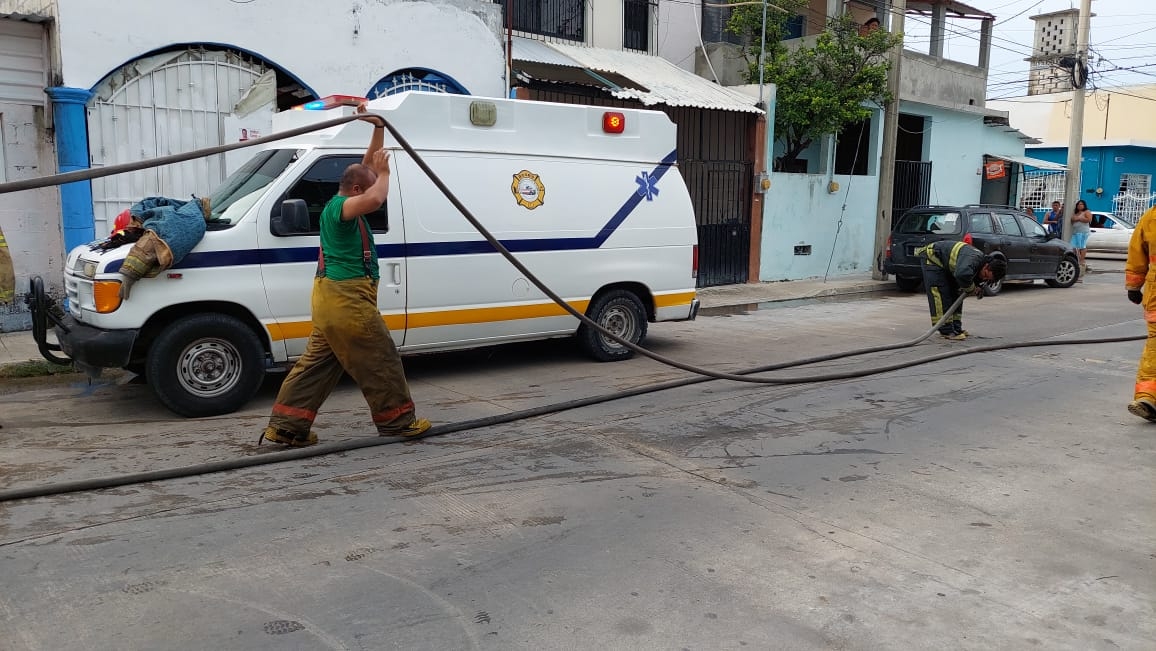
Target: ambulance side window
(318, 185)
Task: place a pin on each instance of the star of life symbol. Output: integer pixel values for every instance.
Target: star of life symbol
(647, 186)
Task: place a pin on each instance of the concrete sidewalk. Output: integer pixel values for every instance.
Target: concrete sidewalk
(16, 347)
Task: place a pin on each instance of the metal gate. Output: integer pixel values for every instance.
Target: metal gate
(168, 104)
(717, 166)
(1132, 206)
(1039, 188)
(912, 186)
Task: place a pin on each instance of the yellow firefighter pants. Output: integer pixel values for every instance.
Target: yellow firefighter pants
(1146, 375)
(348, 336)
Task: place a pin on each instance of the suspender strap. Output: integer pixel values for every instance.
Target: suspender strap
(367, 258)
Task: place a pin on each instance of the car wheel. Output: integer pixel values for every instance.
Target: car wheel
(1067, 273)
(993, 288)
(908, 283)
(206, 365)
(620, 312)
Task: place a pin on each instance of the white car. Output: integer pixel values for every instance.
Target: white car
(1113, 237)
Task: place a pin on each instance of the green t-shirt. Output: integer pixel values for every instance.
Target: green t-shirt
(341, 244)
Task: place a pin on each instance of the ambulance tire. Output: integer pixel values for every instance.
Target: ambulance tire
(206, 365)
(620, 312)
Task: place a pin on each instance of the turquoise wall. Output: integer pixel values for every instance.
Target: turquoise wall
(799, 209)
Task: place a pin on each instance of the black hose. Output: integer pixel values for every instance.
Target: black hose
(98, 172)
(489, 421)
(344, 446)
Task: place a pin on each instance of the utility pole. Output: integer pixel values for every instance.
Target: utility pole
(890, 136)
(1076, 134)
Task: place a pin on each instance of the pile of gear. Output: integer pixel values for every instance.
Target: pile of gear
(162, 232)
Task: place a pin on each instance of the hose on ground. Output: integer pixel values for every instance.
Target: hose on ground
(324, 449)
(345, 446)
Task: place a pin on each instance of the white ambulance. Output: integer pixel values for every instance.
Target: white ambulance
(589, 199)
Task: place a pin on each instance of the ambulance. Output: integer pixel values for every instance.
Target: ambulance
(589, 199)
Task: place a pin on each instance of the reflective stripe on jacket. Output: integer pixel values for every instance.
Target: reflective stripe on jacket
(962, 260)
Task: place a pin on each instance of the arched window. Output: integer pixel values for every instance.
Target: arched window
(421, 79)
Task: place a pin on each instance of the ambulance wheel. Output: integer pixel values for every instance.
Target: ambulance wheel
(206, 365)
(620, 312)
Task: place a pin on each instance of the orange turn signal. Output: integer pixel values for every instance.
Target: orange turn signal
(106, 296)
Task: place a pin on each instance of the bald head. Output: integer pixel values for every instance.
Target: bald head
(356, 179)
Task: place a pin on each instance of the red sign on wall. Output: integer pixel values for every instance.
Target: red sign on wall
(995, 169)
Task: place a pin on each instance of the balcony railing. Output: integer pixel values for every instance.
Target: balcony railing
(561, 19)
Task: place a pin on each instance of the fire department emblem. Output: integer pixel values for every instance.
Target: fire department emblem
(528, 189)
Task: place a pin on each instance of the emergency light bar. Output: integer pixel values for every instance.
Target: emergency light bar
(330, 101)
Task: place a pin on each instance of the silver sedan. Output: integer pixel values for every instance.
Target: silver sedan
(1113, 236)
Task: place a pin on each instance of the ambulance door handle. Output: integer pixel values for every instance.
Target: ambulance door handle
(394, 274)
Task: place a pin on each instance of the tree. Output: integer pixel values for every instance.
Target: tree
(820, 88)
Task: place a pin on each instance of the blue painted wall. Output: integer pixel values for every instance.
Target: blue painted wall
(1101, 168)
(799, 210)
(956, 143)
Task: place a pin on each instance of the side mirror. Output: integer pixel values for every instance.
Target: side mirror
(294, 218)
(1053, 236)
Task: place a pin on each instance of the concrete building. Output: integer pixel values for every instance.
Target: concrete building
(93, 84)
(1119, 148)
(819, 218)
(1054, 48)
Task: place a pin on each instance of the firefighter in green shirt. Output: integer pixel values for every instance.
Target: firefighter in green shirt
(349, 334)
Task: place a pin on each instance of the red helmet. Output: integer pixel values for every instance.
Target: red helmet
(121, 222)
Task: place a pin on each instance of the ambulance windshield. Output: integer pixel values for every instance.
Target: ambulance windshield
(243, 188)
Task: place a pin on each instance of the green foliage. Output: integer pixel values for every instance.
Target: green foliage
(821, 88)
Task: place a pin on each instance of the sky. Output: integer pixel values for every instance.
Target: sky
(1122, 38)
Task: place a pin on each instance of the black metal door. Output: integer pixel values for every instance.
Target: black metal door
(912, 186)
(719, 191)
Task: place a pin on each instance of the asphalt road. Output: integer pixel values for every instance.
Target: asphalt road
(992, 501)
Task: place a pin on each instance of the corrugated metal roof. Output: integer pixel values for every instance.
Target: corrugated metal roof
(662, 81)
(527, 49)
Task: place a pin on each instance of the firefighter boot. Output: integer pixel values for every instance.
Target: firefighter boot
(288, 438)
(1143, 408)
(418, 426)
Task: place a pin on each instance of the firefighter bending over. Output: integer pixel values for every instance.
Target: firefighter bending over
(1138, 276)
(950, 268)
(349, 335)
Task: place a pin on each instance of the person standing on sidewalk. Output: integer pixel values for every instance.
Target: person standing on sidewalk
(951, 268)
(1081, 229)
(349, 335)
(1139, 278)
(1054, 220)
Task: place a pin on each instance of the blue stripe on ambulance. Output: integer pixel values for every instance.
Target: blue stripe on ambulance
(245, 257)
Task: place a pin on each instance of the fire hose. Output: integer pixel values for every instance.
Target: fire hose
(703, 374)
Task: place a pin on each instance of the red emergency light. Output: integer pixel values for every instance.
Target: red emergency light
(613, 122)
(330, 101)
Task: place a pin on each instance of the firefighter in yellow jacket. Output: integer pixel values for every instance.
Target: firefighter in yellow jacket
(1140, 271)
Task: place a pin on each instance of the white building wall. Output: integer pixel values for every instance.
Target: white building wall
(334, 47)
(605, 24)
(678, 32)
(30, 220)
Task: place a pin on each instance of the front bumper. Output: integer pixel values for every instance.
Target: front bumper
(94, 347)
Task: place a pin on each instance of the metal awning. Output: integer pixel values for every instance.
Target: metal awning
(648, 79)
(1032, 162)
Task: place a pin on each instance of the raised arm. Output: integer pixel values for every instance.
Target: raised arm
(378, 138)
